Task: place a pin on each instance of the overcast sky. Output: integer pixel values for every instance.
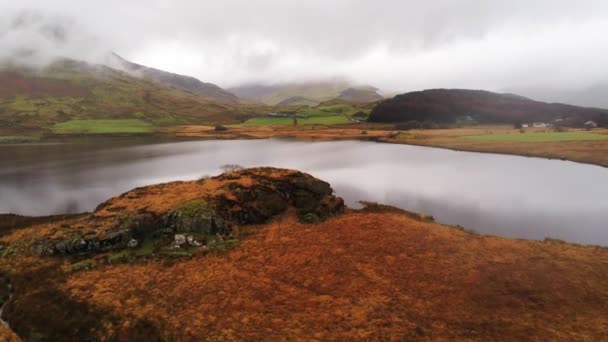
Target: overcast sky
(395, 45)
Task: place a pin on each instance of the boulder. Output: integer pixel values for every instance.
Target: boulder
(179, 239)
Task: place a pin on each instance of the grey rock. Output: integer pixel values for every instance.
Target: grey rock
(132, 243)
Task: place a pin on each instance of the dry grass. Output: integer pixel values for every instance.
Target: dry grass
(6, 335)
(357, 276)
(264, 132)
(586, 151)
(378, 276)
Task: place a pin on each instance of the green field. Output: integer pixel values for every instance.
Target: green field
(539, 137)
(7, 139)
(103, 126)
(314, 120)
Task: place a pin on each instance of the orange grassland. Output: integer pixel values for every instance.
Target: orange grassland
(364, 275)
(589, 151)
(316, 132)
(360, 275)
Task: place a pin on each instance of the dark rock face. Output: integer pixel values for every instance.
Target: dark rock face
(264, 196)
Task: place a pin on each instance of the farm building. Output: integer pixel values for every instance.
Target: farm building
(590, 124)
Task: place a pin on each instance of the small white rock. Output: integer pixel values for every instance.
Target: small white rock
(180, 239)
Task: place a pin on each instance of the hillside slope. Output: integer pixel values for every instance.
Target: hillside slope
(182, 82)
(39, 98)
(448, 105)
(360, 95)
(379, 273)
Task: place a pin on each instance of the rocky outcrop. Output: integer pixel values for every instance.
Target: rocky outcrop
(212, 207)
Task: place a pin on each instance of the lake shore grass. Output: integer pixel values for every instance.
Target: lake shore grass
(590, 147)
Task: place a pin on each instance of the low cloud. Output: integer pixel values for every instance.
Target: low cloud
(395, 45)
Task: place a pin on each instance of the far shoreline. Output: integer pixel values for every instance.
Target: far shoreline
(583, 152)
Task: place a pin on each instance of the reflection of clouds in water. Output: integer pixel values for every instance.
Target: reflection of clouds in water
(503, 195)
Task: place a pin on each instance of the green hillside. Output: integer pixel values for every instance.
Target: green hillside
(331, 112)
(34, 99)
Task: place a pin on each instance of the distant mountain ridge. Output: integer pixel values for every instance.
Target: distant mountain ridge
(447, 105)
(183, 82)
(298, 101)
(312, 92)
(360, 95)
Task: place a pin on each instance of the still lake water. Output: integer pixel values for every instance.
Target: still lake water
(494, 194)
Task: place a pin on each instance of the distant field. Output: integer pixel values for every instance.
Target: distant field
(313, 120)
(539, 137)
(103, 126)
(17, 139)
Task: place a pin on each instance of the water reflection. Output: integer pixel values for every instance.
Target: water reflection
(503, 195)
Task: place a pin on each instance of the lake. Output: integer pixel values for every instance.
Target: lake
(492, 194)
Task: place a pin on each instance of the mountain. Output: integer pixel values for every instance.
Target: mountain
(32, 98)
(182, 82)
(298, 101)
(276, 93)
(448, 105)
(360, 95)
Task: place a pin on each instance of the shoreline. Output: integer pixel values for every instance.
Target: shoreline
(315, 134)
(504, 153)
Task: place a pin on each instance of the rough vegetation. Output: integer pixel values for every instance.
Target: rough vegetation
(576, 145)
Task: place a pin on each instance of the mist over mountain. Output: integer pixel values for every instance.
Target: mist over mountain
(595, 95)
(360, 95)
(187, 83)
(397, 46)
